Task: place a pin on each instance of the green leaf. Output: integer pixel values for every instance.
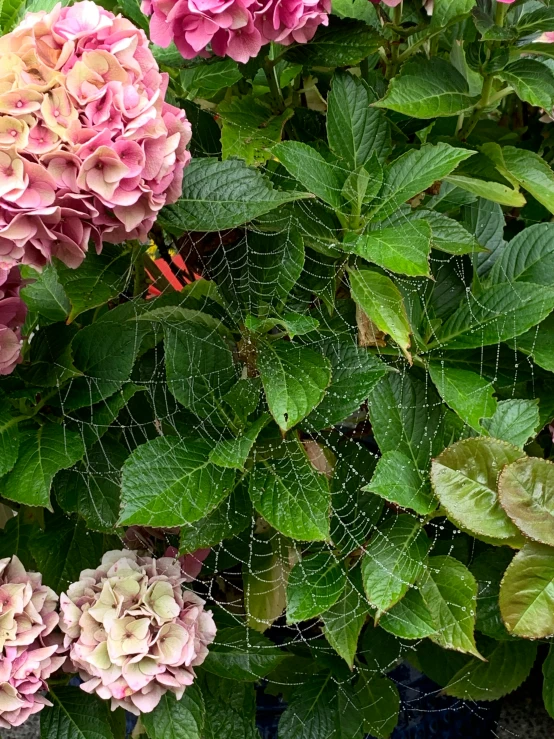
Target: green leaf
(45, 295)
(310, 713)
(244, 397)
(404, 248)
(497, 314)
(488, 569)
(227, 520)
(64, 549)
(548, 684)
(398, 480)
(233, 453)
(94, 421)
(264, 578)
(526, 491)
(428, 88)
(177, 719)
(413, 172)
(315, 584)
(508, 665)
(514, 421)
(406, 416)
(249, 128)
(92, 487)
(538, 343)
(464, 479)
(527, 168)
(199, 365)
(100, 278)
(378, 701)
(536, 21)
(467, 393)
(526, 593)
(448, 10)
(343, 43)
(531, 80)
(489, 190)
(51, 357)
(294, 379)
(43, 451)
(343, 622)
(230, 709)
(485, 219)
(410, 618)
(354, 373)
(294, 324)
(446, 234)
(382, 302)
(221, 195)
(307, 166)
(354, 129)
(170, 482)
(394, 559)
(239, 653)
(9, 441)
(16, 538)
(528, 257)
(205, 80)
(449, 591)
(292, 496)
(74, 714)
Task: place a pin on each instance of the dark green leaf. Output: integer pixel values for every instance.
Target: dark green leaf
(343, 622)
(45, 295)
(233, 453)
(249, 128)
(242, 654)
(204, 80)
(398, 480)
(343, 43)
(75, 715)
(309, 167)
(315, 584)
(9, 441)
(176, 719)
(531, 80)
(488, 569)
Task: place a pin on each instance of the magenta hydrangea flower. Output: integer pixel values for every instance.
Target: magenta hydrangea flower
(132, 630)
(12, 316)
(29, 650)
(236, 28)
(89, 149)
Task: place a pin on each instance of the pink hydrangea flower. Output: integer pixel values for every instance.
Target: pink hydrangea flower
(29, 651)
(132, 630)
(236, 28)
(12, 316)
(89, 149)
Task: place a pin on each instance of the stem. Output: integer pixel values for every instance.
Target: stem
(500, 13)
(140, 276)
(480, 106)
(271, 76)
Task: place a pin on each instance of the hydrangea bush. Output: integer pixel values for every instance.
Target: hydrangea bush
(276, 356)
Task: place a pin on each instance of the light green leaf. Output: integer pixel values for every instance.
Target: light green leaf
(45, 295)
(499, 313)
(43, 451)
(527, 168)
(548, 684)
(410, 618)
(354, 373)
(307, 166)
(449, 591)
(220, 195)
(526, 490)
(467, 393)
(413, 172)
(234, 452)
(404, 248)
(294, 379)
(447, 234)
(292, 496)
(205, 80)
(514, 421)
(249, 128)
(343, 43)
(170, 482)
(428, 88)
(464, 479)
(393, 560)
(508, 664)
(354, 129)
(531, 80)
(239, 653)
(294, 324)
(315, 584)
(494, 191)
(527, 593)
(75, 715)
(100, 278)
(343, 622)
(177, 719)
(528, 257)
(382, 302)
(398, 480)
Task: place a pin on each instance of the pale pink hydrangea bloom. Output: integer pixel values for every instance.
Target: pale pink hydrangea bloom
(29, 651)
(12, 316)
(132, 630)
(88, 147)
(236, 28)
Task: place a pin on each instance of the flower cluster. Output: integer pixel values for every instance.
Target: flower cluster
(237, 28)
(88, 147)
(133, 632)
(27, 618)
(12, 316)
